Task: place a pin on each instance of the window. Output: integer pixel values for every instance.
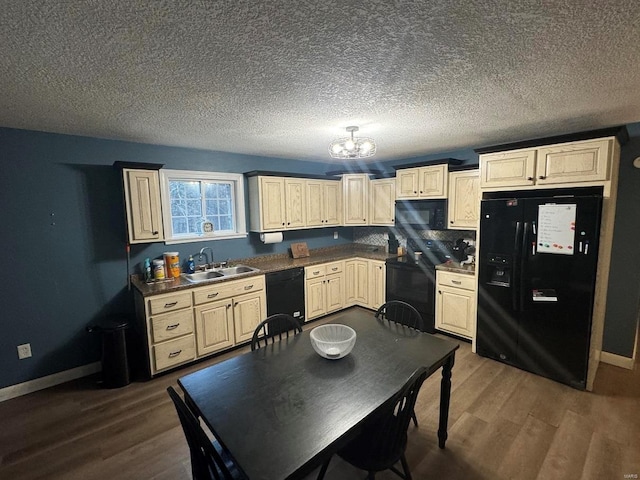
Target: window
(202, 205)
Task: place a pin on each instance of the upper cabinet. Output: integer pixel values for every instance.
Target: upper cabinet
(277, 203)
(464, 200)
(382, 198)
(143, 207)
(355, 193)
(563, 164)
(422, 182)
(323, 203)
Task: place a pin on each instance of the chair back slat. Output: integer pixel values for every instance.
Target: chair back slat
(401, 313)
(278, 326)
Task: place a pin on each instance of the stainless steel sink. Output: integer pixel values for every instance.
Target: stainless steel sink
(219, 273)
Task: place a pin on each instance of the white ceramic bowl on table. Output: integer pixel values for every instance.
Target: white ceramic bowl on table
(333, 340)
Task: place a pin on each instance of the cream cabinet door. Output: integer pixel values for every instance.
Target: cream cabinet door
(350, 280)
(377, 283)
(355, 198)
(508, 169)
(314, 202)
(334, 285)
(407, 182)
(332, 203)
(272, 203)
(464, 200)
(382, 201)
(314, 292)
(248, 312)
(295, 190)
(143, 207)
(214, 326)
(455, 311)
(362, 282)
(433, 181)
(585, 161)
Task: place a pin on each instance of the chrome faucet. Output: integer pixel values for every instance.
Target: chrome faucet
(208, 264)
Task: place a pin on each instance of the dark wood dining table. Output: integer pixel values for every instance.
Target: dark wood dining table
(281, 411)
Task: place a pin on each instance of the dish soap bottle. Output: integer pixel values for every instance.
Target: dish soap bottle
(147, 270)
(191, 265)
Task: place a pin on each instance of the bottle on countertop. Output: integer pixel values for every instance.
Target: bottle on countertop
(191, 265)
(147, 270)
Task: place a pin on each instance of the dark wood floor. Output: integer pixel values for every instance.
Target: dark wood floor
(504, 424)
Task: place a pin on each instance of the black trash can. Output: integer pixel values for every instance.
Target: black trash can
(115, 360)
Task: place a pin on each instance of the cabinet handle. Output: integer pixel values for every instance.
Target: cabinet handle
(154, 233)
(229, 306)
(334, 268)
(542, 177)
(175, 354)
(421, 191)
(439, 292)
(451, 222)
(456, 282)
(248, 287)
(415, 191)
(316, 272)
(530, 179)
(282, 223)
(288, 223)
(169, 305)
(173, 327)
(212, 295)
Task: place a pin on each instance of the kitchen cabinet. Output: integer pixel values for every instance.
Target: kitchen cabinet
(227, 313)
(422, 182)
(456, 303)
(142, 204)
(377, 283)
(276, 203)
(464, 200)
(324, 203)
(165, 322)
(382, 201)
(324, 289)
(295, 202)
(355, 195)
(565, 164)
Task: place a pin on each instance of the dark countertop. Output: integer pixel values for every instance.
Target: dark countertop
(268, 264)
(455, 267)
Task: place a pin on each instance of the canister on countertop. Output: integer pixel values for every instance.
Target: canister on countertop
(158, 269)
(172, 264)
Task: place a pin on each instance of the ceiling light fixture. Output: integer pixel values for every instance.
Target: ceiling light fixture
(352, 147)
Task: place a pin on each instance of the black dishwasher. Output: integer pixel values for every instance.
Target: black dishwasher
(285, 293)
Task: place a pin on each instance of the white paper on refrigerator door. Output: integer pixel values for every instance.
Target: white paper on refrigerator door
(556, 228)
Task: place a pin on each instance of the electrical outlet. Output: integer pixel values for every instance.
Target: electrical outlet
(24, 351)
(335, 235)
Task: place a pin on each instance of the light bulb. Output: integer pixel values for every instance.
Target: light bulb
(349, 145)
(365, 147)
(336, 148)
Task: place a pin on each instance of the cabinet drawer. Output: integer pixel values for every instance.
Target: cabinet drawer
(315, 271)
(174, 352)
(224, 290)
(165, 327)
(457, 280)
(169, 303)
(333, 267)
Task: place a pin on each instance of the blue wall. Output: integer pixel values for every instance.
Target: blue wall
(63, 241)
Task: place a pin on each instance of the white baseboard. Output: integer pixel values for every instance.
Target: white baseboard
(617, 360)
(41, 383)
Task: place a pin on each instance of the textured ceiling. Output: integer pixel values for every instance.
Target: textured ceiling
(283, 78)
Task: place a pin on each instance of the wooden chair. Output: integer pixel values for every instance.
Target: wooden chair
(279, 325)
(209, 461)
(402, 313)
(383, 440)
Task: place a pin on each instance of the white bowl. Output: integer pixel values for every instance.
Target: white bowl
(333, 340)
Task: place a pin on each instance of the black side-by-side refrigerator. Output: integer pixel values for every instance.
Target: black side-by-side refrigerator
(537, 274)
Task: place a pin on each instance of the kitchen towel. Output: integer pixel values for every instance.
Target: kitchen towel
(273, 237)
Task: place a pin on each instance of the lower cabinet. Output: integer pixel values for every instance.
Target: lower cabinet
(183, 326)
(324, 289)
(365, 283)
(455, 303)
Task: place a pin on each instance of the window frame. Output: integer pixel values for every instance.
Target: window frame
(167, 175)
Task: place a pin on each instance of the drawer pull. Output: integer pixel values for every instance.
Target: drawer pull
(212, 295)
(169, 305)
(248, 287)
(316, 272)
(456, 282)
(175, 354)
(334, 268)
(173, 327)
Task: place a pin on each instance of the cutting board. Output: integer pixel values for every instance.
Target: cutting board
(299, 250)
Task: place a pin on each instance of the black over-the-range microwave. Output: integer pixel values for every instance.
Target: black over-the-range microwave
(425, 214)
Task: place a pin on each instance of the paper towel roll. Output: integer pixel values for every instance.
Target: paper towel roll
(273, 237)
